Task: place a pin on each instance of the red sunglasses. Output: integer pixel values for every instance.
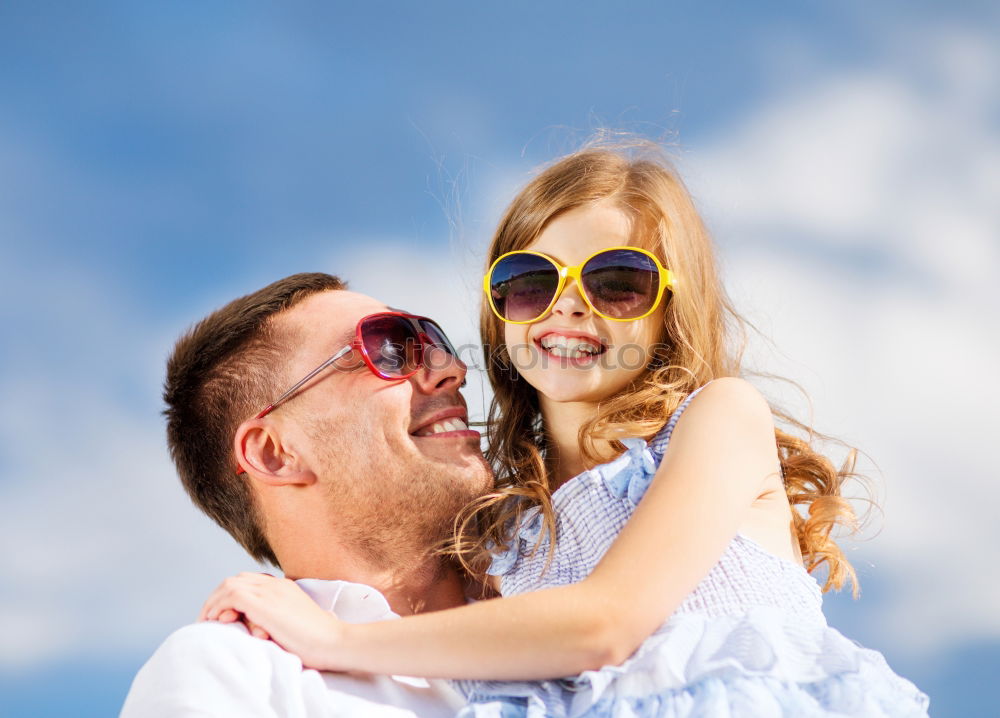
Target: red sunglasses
(393, 345)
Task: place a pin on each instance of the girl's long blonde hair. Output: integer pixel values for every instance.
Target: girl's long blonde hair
(696, 346)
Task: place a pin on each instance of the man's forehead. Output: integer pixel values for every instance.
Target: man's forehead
(332, 313)
(340, 304)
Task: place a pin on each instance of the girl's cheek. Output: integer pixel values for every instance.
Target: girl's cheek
(516, 340)
(509, 335)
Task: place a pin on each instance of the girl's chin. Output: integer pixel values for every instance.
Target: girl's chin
(569, 391)
(592, 387)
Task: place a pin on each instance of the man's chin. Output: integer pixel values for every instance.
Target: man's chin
(449, 446)
(455, 463)
(467, 473)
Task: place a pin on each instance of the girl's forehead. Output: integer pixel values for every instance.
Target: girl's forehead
(576, 234)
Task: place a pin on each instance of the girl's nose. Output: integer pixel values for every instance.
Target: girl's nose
(571, 302)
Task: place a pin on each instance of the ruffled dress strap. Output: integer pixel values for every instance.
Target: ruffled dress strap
(658, 444)
(585, 501)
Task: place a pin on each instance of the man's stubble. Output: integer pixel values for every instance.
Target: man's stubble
(393, 509)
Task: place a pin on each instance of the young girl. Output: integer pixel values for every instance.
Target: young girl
(645, 532)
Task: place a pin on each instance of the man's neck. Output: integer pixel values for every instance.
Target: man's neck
(416, 586)
(427, 589)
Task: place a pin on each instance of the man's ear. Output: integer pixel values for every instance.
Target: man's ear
(262, 454)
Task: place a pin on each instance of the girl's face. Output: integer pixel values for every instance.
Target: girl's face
(573, 355)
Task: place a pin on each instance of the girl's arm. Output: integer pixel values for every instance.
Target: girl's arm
(720, 454)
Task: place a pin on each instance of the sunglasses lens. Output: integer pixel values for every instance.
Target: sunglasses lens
(437, 336)
(522, 286)
(392, 345)
(621, 283)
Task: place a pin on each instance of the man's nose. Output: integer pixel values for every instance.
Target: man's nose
(571, 303)
(441, 371)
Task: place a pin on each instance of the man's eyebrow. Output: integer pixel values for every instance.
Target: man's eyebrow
(343, 338)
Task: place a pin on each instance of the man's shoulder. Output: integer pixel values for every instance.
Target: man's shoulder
(209, 638)
(206, 633)
(228, 647)
(219, 669)
(216, 666)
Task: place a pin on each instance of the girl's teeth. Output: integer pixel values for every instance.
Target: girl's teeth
(566, 347)
(569, 353)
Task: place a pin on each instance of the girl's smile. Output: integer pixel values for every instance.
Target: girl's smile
(571, 348)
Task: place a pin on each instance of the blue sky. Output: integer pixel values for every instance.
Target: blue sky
(158, 160)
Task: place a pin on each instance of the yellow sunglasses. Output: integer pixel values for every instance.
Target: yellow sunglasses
(622, 284)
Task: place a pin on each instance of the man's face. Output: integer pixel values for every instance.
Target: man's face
(369, 440)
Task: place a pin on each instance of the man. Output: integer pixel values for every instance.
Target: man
(347, 482)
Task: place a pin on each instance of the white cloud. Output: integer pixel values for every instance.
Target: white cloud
(103, 551)
(860, 223)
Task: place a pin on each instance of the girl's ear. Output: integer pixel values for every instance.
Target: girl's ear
(261, 453)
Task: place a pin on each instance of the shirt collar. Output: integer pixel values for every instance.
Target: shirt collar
(352, 602)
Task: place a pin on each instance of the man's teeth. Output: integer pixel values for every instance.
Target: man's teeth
(439, 427)
(572, 348)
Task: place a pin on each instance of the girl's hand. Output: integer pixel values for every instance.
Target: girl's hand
(278, 609)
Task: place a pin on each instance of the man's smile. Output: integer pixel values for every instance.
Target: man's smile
(446, 423)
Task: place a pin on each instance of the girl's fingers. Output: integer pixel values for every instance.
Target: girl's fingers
(207, 606)
(233, 594)
(231, 597)
(256, 630)
(212, 607)
(256, 578)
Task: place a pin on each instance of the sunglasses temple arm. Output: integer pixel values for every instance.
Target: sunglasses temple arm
(304, 381)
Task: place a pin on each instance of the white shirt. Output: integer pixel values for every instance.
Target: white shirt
(220, 670)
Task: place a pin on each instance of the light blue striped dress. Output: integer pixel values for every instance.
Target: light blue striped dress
(750, 640)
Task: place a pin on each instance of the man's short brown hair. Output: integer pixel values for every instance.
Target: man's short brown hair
(222, 371)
